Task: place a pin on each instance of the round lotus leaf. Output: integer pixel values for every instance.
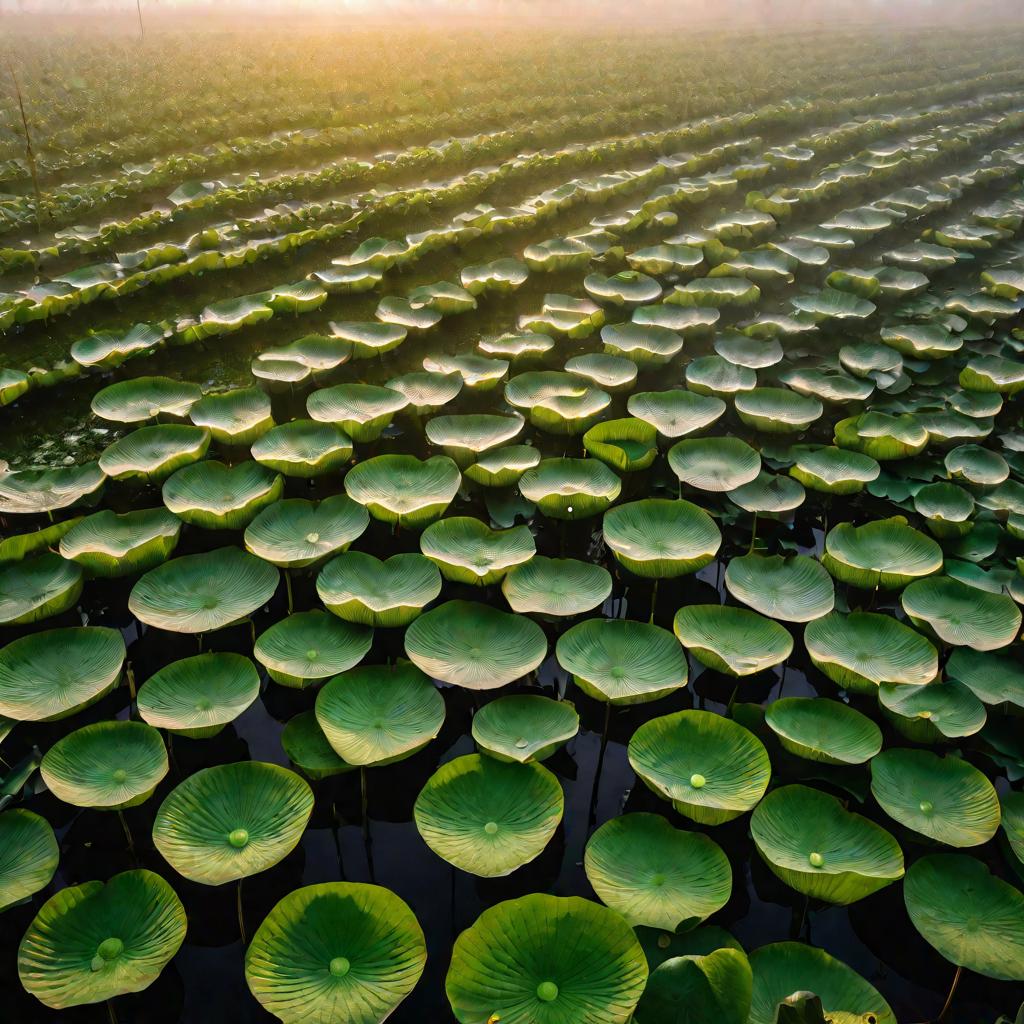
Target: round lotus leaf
(933, 713)
(660, 945)
(307, 647)
(557, 402)
(645, 345)
(834, 470)
(338, 951)
(303, 449)
(769, 493)
(690, 322)
(944, 798)
(870, 360)
(793, 588)
(219, 497)
(110, 545)
(546, 959)
(708, 767)
(962, 615)
(360, 588)
(972, 918)
(37, 588)
(556, 586)
(525, 346)
(232, 821)
(198, 696)
(427, 391)
(715, 292)
(570, 488)
(626, 288)
(610, 372)
(35, 491)
(1012, 821)
(404, 490)
(777, 410)
(379, 714)
(836, 387)
(151, 454)
(714, 463)
(502, 467)
(883, 437)
(293, 533)
(995, 677)
(627, 445)
(713, 376)
(307, 748)
(862, 650)
(666, 258)
(657, 875)
(832, 304)
(236, 417)
(524, 727)
(362, 411)
(692, 989)
(824, 730)
(946, 508)
(885, 553)
(200, 593)
(622, 661)
(979, 404)
(783, 968)
(58, 672)
(976, 465)
(29, 855)
(99, 940)
(479, 373)
(733, 640)
(661, 538)
(675, 413)
(922, 341)
(112, 765)
(751, 352)
(467, 436)
(469, 644)
(489, 817)
(467, 550)
(993, 373)
(145, 398)
(817, 847)
(369, 339)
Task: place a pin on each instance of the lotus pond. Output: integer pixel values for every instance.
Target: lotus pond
(565, 573)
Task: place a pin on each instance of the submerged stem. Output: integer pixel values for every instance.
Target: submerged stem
(288, 590)
(241, 915)
(127, 832)
(949, 999)
(654, 600)
(753, 535)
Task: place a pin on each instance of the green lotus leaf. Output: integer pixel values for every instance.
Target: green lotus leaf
(427, 391)
(783, 968)
(524, 345)
(442, 297)
(489, 817)
(300, 297)
(379, 714)
(714, 463)
(962, 615)
(693, 989)
(369, 339)
(661, 538)
(870, 360)
(993, 373)
(236, 417)
(882, 436)
(626, 445)
(715, 292)
(659, 945)
(145, 398)
(708, 767)
(943, 798)
(360, 588)
(972, 918)
(29, 855)
(946, 508)
(105, 350)
(810, 841)
(404, 490)
(317, 353)
(341, 951)
(717, 377)
(361, 410)
(885, 553)
(824, 730)
(611, 372)
(770, 493)
(766, 267)
(557, 402)
(151, 454)
(556, 586)
(793, 588)
(1012, 821)
(557, 254)
(570, 488)
(923, 256)
(501, 276)
(979, 404)
(524, 727)
(934, 712)
(32, 492)
(294, 532)
(307, 748)
(922, 341)
(469, 644)
(621, 661)
(546, 959)
(19, 546)
(198, 696)
(626, 288)
(862, 650)
(58, 672)
(307, 647)
(836, 387)
(665, 258)
(219, 497)
(657, 875)
(644, 344)
(995, 677)
(99, 940)
(303, 449)
(732, 640)
(502, 467)
(479, 373)
(37, 588)
(112, 765)
(276, 374)
(744, 350)
(976, 465)
(675, 413)
(946, 427)
(110, 545)
(200, 593)
(232, 821)
(831, 304)
(469, 551)
(467, 436)
(777, 410)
